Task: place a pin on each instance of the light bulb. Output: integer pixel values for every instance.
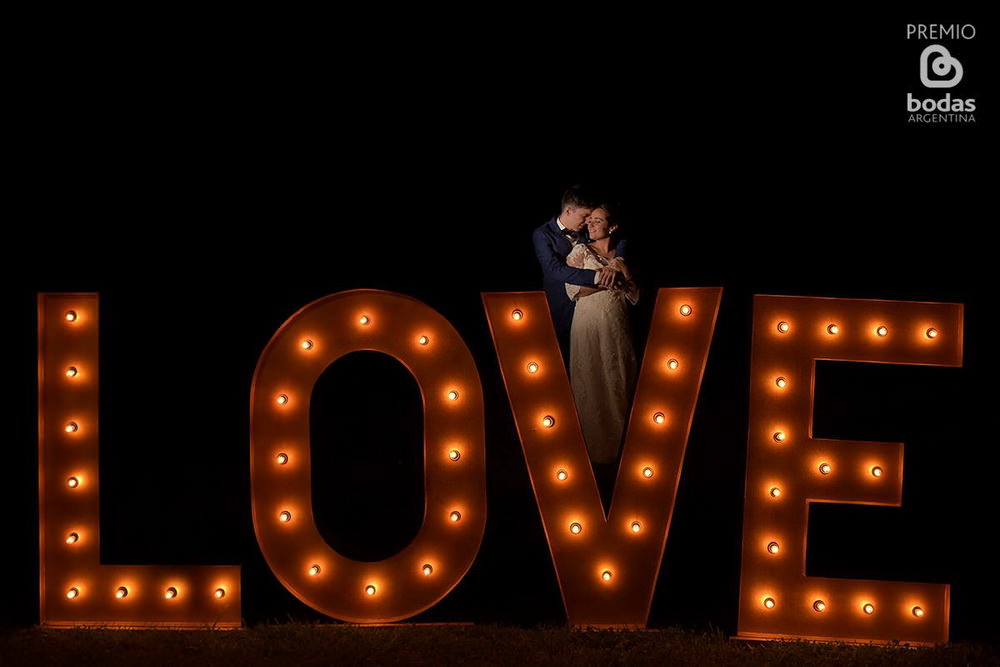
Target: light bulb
(673, 364)
(427, 569)
(636, 526)
(659, 417)
(71, 316)
(779, 436)
(423, 340)
(281, 399)
(576, 528)
(868, 608)
(516, 315)
(783, 327)
(833, 329)
(877, 471)
(781, 382)
(548, 421)
(364, 320)
(773, 548)
(685, 310)
(73, 482)
(220, 593)
(931, 333)
(452, 395)
(562, 475)
(121, 592)
(314, 570)
(825, 468)
(455, 516)
(72, 538)
(454, 455)
(647, 472)
(73, 592)
(170, 593)
(819, 605)
(918, 612)
(307, 344)
(532, 367)
(72, 372)
(775, 492)
(72, 427)
(285, 516)
(606, 575)
(882, 331)
(769, 603)
(370, 589)
(282, 458)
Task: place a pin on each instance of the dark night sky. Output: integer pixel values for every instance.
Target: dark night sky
(232, 206)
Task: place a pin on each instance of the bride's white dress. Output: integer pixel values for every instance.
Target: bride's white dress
(602, 362)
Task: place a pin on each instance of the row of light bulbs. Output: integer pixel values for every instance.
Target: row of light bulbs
(833, 329)
(820, 606)
(122, 592)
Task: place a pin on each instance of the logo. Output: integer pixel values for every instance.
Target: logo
(942, 66)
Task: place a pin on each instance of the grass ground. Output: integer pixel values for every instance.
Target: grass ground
(300, 645)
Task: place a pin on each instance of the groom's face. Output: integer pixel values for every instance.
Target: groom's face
(574, 217)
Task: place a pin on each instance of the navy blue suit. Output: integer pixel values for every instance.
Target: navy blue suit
(551, 248)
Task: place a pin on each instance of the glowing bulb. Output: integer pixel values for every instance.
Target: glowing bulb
(72, 538)
(882, 331)
(532, 367)
(220, 593)
(659, 417)
(773, 548)
(516, 315)
(606, 575)
(281, 399)
(121, 592)
(71, 316)
(72, 427)
(877, 471)
(673, 364)
(576, 528)
(783, 327)
(364, 320)
(781, 382)
(314, 570)
(775, 492)
(562, 475)
(931, 333)
(423, 340)
(73, 592)
(170, 593)
(73, 482)
(454, 455)
(370, 589)
(833, 329)
(72, 372)
(452, 395)
(779, 436)
(819, 605)
(868, 608)
(548, 421)
(769, 603)
(455, 516)
(307, 344)
(918, 612)
(647, 472)
(685, 310)
(825, 468)
(282, 458)
(636, 526)
(428, 569)
(285, 516)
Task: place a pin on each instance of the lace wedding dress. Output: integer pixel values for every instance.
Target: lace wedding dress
(602, 362)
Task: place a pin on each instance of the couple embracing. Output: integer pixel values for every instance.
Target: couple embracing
(589, 286)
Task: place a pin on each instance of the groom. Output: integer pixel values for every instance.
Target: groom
(553, 241)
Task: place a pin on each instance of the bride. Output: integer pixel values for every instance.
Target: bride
(602, 358)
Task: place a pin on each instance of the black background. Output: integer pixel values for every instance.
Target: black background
(209, 193)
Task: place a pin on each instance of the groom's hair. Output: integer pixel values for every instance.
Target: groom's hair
(579, 196)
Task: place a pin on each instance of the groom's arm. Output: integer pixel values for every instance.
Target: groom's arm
(554, 266)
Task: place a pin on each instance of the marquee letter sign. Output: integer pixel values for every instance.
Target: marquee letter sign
(607, 565)
(787, 468)
(454, 456)
(75, 589)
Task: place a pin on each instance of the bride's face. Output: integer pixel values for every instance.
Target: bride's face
(597, 224)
